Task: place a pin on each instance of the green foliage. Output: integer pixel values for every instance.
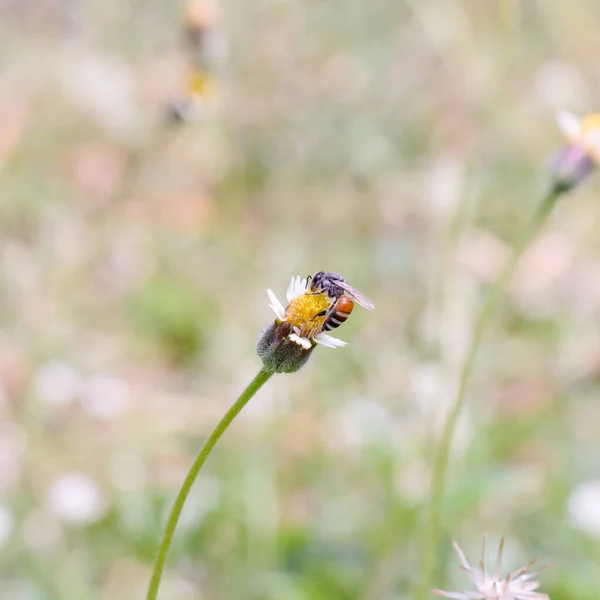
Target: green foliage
(175, 315)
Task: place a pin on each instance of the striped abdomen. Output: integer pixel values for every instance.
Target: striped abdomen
(340, 312)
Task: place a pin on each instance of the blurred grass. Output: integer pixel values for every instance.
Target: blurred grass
(401, 144)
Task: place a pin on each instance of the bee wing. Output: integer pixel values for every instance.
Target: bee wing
(358, 296)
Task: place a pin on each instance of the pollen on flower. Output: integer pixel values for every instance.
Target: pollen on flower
(303, 311)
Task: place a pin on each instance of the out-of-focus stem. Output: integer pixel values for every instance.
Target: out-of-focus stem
(438, 480)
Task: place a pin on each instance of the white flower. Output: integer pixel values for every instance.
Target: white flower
(296, 288)
(277, 307)
(490, 586)
(6, 524)
(329, 341)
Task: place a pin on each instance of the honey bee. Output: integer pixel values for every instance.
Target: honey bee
(341, 306)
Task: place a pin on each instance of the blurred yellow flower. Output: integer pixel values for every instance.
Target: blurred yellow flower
(199, 84)
(189, 105)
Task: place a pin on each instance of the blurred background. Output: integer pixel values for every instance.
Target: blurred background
(402, 144)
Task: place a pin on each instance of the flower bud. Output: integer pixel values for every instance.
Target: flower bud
(278, 352)
(570, 167)
(574, 163)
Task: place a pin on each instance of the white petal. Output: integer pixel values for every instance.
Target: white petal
(276, 306)
(568, 123)
(301, 341)
(296, 288)
(328, 341)
(464, 563)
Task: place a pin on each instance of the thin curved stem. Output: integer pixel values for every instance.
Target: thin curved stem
(438, 480)
(159, 564)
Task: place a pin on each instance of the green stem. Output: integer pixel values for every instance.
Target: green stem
(263, 376)
(441, 460)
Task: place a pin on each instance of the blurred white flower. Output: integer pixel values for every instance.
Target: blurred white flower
(56, 383)
(363, 421)
(445, 180)
(101, 86)
(12, 449)
(492, 586)
(76, 498)
(426, 384)
(6, 524)
(105, 396)
(561, 84)
(584, 507)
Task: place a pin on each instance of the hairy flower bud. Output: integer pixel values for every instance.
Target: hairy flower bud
(278, 352)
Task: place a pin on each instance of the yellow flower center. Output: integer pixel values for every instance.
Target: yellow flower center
(199, 84)
(589, 136)
(590, 123)
(303, 310)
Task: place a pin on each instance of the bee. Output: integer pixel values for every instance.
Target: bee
(341, 307)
